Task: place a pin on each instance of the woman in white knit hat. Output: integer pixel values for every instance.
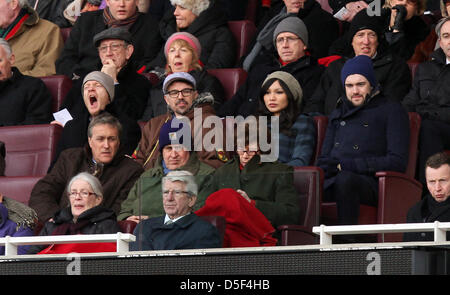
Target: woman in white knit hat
(205, 20)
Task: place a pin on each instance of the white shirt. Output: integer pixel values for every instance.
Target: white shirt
(167, 218)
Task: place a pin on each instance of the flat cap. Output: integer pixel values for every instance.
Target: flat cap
(120, 33)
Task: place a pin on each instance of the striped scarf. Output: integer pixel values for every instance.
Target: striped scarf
(110, 21)
(12, 29)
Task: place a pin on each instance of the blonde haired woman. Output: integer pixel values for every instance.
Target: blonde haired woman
(182, 51)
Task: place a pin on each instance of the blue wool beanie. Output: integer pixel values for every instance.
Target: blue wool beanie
(362, 65)
(172, 135)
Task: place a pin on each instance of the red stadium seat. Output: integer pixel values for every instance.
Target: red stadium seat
(59, 86)
(243, 31)
(29, 148)
(308, 182)
(321, 123)
(127, 226)
(18, 187)
(231, 79)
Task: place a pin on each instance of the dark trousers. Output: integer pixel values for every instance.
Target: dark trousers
(349, 190)
(434, 137)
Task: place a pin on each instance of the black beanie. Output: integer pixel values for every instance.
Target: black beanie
(363, 21)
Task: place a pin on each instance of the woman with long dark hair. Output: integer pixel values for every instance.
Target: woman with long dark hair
(281, 95)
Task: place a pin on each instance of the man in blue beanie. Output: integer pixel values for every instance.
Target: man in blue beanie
(366, 133)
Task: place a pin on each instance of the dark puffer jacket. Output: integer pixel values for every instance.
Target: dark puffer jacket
(211, 29)
(96, 220)
(24, 100)
(430, 94)
(427, 210)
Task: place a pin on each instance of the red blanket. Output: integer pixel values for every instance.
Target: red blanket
(246, 226)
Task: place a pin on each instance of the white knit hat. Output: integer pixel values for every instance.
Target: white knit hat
(196, 6)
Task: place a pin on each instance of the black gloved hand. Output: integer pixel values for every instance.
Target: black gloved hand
(400, 17)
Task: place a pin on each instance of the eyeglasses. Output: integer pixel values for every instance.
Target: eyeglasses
(114, 47)
(83, 194)
(289, 40)
(250, 153)
(176, 193)
(185, 92)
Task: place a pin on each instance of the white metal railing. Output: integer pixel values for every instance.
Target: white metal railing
(326, 232)
(122, 241)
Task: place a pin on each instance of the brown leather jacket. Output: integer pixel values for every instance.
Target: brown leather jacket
(147, 151)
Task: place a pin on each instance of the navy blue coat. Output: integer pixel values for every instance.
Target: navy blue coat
(189, 232)
(366, 139)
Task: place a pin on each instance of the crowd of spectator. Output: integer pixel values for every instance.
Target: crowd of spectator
(142, 143)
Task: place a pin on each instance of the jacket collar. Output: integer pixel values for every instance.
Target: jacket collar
(94, 214)
(184, 222)
(346, 109)
(439, 56)
(302, 62)
(115, 161)
(434, 208)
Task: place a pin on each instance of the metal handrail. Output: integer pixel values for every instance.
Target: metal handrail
(326, 232)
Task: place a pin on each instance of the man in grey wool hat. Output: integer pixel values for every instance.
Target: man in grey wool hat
(291, 40)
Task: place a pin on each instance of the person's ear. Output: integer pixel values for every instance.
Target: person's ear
(12, 59)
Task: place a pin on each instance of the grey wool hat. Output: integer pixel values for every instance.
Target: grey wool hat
(294, 25)
(196, 6)
(291, 83)
(120, 33)
(103, 79)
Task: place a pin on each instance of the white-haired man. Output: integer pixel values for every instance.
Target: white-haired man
(179, 228)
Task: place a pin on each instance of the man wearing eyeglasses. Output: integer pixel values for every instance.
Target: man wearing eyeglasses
(179, 228)
(291, 41)
(182, 98)
(115, 49)
(80, 56)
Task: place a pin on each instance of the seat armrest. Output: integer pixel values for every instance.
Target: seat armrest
(292, 234)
